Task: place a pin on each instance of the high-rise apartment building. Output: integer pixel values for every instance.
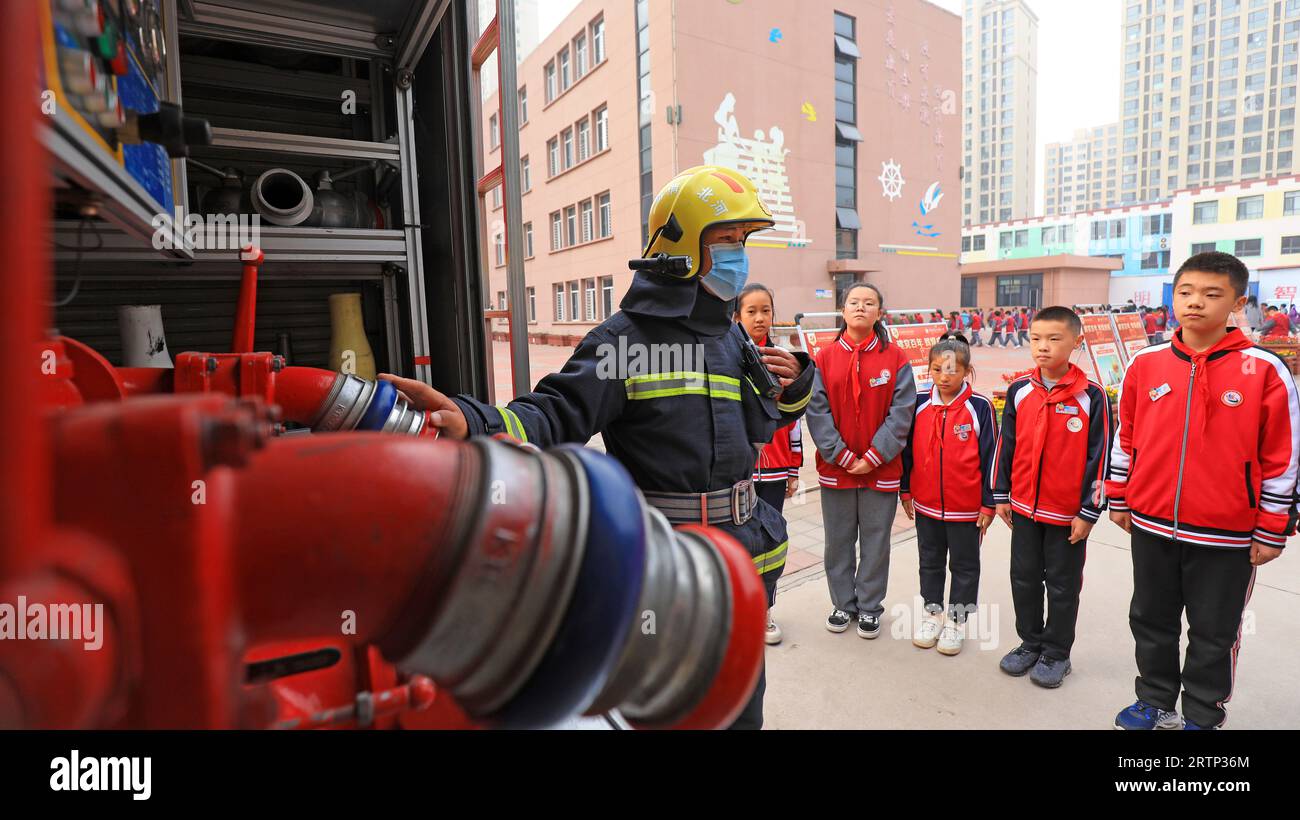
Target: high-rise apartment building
(1082, 174)
(999, 106)
(1208, 93)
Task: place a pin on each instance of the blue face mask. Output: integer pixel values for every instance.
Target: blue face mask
(729, 272)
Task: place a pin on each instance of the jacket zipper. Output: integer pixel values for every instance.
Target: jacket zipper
(943, 507)
(1250, 488)
(1182, 454)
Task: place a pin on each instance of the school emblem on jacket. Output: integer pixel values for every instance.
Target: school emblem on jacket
(1157, 392)
(883, 378)
(1231, 398)
(962, 431)
(1066, 410)
(1074, 425)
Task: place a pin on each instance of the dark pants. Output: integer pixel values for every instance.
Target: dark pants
(1213, 586)
(751, 717)
(957, 543)
(1042, 557)
(995, 338)
(773, 492)
(975, 340)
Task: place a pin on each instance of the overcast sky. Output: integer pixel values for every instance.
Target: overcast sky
(1078, 64)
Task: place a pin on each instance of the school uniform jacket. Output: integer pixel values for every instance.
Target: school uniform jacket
(862, 403)
(781, 458)
(1052, 455)
(1208, 444)
(949, 456)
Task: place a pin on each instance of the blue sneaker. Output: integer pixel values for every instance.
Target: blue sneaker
(1187, 724)
(1142, 715)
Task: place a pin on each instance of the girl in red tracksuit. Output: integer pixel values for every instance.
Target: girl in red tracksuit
(776, 475)
(947, 464)
(859, 412)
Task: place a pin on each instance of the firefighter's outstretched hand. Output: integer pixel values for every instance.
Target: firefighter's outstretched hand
(445, 415)
(782, 363)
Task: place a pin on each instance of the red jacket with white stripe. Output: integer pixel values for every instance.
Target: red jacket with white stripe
(1208, 444)
(783, 456)
(948, 460)
(1051, 460)
(861, 406)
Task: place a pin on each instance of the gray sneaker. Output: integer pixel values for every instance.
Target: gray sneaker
(1018, 661)
(1049, 672)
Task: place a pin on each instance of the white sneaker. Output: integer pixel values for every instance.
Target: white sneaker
(773, 635)
(928, 632)
(950, 637)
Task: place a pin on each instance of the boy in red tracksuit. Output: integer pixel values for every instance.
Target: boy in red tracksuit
(1203, 477)
(1048, 488)
(945, 489)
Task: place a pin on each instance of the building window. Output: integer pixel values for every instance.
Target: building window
(557, 234)
(528, 240)
(1155, 259)
(531, 294)
(496, 197)
(552, 157)
(575, 302)
(1204, 213)
(564, 69)
(1291, 204)
(1202, 247)
(584, 139)
(1247, 247)
(1291, 244)
(602, 128)
(559, 302)
(589, 299)
(977, 244)
(969, 291)
(550, 81)
(604, 216)
(525, 175)
(570, 226)
(580, 55)
(499, 249)
(523, 105)
(586, 220)
(598, 40)
(1250, 207)
(606, 297)
(494, 133)
(567, 138)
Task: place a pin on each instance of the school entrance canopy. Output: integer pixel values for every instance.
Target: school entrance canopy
(1060, 279)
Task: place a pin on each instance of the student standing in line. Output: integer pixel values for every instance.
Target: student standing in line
(1050, 468)
(947, 489)
(776, 475)
(859, 414)
(1203, 477)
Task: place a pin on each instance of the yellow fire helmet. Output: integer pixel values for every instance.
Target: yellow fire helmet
(697, 198)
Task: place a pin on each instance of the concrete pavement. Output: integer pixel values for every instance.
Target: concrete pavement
(821, 680)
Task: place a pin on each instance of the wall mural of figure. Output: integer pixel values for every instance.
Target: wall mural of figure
(763, 160)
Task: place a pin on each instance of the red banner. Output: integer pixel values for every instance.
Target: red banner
(916, 341)
(1132, 334)
(815, 340)
(1103, 348)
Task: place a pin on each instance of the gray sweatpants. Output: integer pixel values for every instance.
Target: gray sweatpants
(862, 519)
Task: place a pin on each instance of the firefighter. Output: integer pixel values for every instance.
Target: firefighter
(682, 416)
